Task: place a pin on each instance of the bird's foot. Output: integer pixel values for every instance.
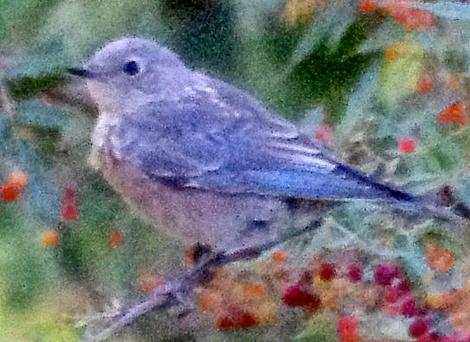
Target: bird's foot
(197, 256)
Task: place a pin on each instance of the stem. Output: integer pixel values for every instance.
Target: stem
(174, 291)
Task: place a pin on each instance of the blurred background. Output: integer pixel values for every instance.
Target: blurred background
(384, 84)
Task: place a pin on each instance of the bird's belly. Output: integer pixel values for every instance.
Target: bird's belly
(224, 221)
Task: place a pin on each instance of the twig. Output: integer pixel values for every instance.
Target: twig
(178, 289)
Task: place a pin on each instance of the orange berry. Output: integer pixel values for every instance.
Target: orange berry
(425, 84)
(329, 300)
(149, 282)
(116, 238)
(444, 301)
(408, 17)
(368, 6)
(393, 52)
(459, 318)
(266, 312)
(209, 299)
(391, 7)
(415, 19)
(13, 186)
(279, 257)
(50, 238)
(254, 291)
(348, 330)
(454, 82)
(19, 178)
(454, 114)
(439, 259)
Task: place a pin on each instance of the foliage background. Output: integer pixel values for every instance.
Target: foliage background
(322, 63)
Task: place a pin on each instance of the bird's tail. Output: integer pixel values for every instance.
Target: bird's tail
(443, 205)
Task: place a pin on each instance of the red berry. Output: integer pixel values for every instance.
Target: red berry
(454, 114)
(425, 84)
(433, 336)
(69, 212)
(368, 6)
(418, 328)
(385, 273)
(247, 320)
(416, 19)
(70, 193)
(327, 272)
(116, 238)
(295, 296)
(407, 145)
(348, 329)
(69, 203)
(279, 257)
(355, 273)
(391, 294)
(409, 18)
(324, 135)
(13, 186)
(148, 282)
(403, 287)
(408, 308)
(236, 318)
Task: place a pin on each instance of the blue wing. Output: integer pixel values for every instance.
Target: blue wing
(219, 139)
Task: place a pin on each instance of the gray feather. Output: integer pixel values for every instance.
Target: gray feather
(223, 140)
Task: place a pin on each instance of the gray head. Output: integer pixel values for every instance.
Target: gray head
(131, 69)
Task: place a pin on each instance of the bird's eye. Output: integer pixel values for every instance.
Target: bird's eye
(131, 68)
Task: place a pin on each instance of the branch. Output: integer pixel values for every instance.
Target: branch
(180, 287)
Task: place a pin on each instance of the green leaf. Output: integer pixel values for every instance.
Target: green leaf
(360, 101)
(387, 34)
(320, 328)
(328, 25)
(29, 270)
(399, 76)
(30, 86)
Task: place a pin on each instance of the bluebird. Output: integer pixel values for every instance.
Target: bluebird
(206, 162)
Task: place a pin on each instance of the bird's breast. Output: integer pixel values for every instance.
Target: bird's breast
(103, 139)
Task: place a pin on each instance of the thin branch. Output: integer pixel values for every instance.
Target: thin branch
(180, 288)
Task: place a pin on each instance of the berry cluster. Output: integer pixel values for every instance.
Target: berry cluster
(401, 12)
(339, 284)
(13, 186)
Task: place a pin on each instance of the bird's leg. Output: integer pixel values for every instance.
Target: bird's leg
(196, 254)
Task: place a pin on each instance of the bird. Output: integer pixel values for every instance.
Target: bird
(205, 162)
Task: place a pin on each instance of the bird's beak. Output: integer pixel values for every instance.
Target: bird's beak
(81, 72)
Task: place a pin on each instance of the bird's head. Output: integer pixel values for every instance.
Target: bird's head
(131, 70)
